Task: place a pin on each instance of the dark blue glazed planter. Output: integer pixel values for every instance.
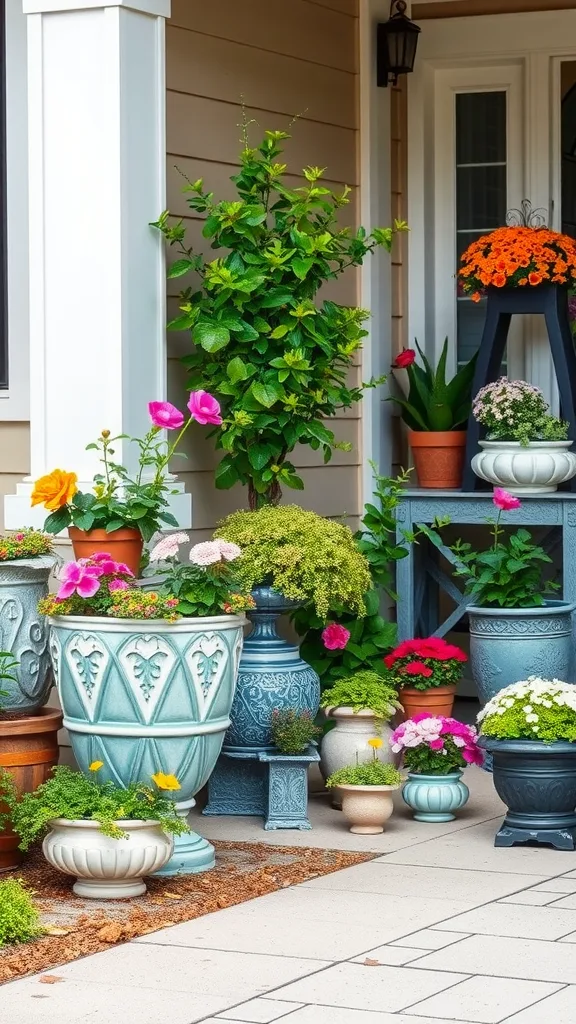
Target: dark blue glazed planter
(272, 677)
(537, 782)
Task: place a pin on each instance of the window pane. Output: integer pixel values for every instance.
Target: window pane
(481, 192)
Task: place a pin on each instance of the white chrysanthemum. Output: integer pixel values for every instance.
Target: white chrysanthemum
(168, 547)
(206, 553)
(531, 691)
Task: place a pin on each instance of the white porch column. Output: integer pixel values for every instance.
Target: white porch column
(97, 154)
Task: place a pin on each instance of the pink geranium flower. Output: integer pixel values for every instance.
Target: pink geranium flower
(505, 501)
(118, 585)
(165, 415)
(335, 637)
(417, 668)
(79, 579)
(204, 408)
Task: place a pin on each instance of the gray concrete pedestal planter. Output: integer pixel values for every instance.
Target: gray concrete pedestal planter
(537, 782)
(510, 644)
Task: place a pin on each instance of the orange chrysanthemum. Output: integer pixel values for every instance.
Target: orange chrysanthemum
(517, 257)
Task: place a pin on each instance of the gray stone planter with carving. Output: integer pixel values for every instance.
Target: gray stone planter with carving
(24, 633)
(537, 782)
(510, 644)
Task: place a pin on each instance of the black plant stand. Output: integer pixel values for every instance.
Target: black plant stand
(551, 301)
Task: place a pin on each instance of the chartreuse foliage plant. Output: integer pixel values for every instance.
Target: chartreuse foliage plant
(302, 555)
(364, 691)
(373, 773)
(533, 709)
(19, 918)
(276, 358)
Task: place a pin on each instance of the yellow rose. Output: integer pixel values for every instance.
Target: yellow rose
(167, 782)
(55, 489)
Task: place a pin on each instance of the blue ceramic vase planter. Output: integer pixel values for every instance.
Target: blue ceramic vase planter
(537, 782)
(149, 696)
(435, 797)
(511, 644)
(24, 632)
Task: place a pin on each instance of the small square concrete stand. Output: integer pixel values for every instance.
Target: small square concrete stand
(263, 783)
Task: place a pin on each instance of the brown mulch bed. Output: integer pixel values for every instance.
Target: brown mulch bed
(77, 927)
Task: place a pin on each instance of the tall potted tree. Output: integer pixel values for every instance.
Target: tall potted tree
(275, 357)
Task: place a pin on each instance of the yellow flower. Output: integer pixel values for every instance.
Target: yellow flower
(55, 489)
(376, 743)
(163, 781)
(96, 766)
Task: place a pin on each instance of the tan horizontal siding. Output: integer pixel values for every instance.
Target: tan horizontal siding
(280, 60)
(15, 449)
(469, 8)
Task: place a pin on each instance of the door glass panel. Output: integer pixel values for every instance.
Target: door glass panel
(568, 83)
(481, 193)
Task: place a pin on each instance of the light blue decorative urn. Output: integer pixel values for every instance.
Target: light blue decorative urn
(150, 696)
(435, 797)
(272, 677)
(510, 644)
(24, 632)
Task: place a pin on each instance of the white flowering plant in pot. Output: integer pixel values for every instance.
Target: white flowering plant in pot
(533, 709)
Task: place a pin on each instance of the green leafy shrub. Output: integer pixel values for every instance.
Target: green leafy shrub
(303, 556)
(293, 731)
(276, 359)
(373, 773)
(70, 794)
(432, 403)
(26, 543)
(533, 709)
(19, 919)
(363, 691)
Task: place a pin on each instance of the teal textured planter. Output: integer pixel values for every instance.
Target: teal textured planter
(149, 696)
(24, 633)
(435, 797)
(510, 644)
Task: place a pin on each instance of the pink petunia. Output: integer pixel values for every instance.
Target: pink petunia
(79, 579)
(165, 415)
(204, 408)
(436, 744)
(335, 637)
(118, 585)
(505, 501)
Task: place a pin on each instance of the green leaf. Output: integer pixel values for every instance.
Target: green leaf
(58, 520)
(236, 370)
(302, 266)
(259, 455)
(115, 524)
(293, 481)
(179, 268)
(226, 475)
(210, 336)
(84, 521)
(266, 394)
(277, 297)
(280, 331)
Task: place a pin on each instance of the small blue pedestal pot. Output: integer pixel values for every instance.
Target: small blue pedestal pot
(537, 782)
(510, 644)
(272, 677)
(435, 797)
(150, 696)
(24, 633)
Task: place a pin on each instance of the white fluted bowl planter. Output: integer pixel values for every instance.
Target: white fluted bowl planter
(347, 743)
(367, 808)
(536, 468)
(105, 868)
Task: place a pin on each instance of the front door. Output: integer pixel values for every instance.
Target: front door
(491, 122)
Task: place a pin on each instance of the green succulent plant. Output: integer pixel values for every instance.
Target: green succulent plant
(19, 918)
(433, 403)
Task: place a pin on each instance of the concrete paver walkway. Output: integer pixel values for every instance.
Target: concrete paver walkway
(439, 927)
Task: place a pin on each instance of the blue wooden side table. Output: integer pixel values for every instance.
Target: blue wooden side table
(419, 578)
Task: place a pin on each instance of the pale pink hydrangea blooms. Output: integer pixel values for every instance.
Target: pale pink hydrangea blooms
(206, 553)
(168, 547)
(504, 400)
(229, 551)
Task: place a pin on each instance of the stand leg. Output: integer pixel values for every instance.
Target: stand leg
(492, 347)
(564, 358)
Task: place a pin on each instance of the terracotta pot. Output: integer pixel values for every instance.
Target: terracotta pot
(122, 545)
(438, 457)
(28, 752)
(439, 700)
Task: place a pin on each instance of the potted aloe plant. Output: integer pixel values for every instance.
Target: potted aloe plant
(436, 412)
(366, 791)
(518, 628)
(529, 730)
(122, 510)
(435, 749)
(146, 678)
(105, 835)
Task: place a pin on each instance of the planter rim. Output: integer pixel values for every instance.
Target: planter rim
(426, 776)
(436, 438)
(146, 625)
(349, 788)
(345, 711)
(522, 746)
(46, 720)
(516, 446)
(550, 608)
(448, 688)
(101, 532)
(125, 823)
(46, 561)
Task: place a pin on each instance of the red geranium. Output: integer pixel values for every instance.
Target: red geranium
(429, 662)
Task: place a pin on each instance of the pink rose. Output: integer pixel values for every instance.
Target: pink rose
(165, 415)
(335, 637)
(504, 501)
(204, 408)
(404, 359)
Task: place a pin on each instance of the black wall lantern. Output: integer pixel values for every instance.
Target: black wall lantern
(396, 44)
